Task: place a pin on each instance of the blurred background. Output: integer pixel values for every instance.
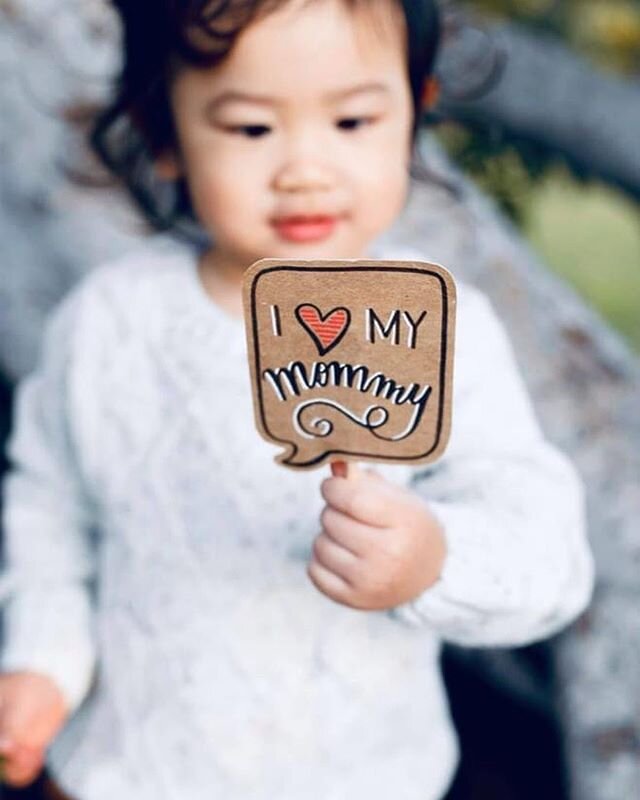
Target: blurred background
(581, 215)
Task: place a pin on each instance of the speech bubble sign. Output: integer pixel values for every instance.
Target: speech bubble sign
(351, 360)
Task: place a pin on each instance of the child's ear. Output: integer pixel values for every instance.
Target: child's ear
(167, 167)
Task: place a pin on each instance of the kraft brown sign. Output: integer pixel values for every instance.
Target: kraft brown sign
(351, 360)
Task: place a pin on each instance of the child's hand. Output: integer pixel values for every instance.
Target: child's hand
(32, 711)
(379, 547)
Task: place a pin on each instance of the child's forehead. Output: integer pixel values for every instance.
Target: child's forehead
(383, 15)
(260, 20)
(297, 36)
(381, 18)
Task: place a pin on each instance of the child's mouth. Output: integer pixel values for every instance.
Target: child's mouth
(305, 229)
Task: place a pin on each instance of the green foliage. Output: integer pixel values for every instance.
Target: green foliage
(608, 31)
(590, 235)
(587, 233)
(506, 168)
(605, 31)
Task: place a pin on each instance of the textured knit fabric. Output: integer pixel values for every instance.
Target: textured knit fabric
(156, 559)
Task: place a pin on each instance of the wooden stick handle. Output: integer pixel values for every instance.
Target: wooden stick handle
(344, 469)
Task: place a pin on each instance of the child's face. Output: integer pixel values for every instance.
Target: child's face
(309, 117)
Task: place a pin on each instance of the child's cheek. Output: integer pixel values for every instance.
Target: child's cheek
(225, 191)
(383, 187)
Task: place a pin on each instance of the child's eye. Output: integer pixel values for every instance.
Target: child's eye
(250, 131)
(353, 123)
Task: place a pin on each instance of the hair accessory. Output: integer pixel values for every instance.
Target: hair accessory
(430, 92)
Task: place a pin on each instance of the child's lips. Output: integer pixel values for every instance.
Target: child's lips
(306, 228)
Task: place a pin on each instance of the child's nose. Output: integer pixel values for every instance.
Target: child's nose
(304, 164)
(303, 175)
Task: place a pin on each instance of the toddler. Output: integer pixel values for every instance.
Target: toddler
(186, 619)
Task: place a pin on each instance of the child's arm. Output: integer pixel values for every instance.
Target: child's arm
(46, 519)
(506, 505)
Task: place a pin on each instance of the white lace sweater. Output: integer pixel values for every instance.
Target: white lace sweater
(156, 560)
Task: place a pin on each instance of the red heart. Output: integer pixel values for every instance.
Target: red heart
(326, 330)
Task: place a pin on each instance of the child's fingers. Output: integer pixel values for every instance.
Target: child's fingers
(335, 558)
(328, 583)
(348, 533)
(369, 502)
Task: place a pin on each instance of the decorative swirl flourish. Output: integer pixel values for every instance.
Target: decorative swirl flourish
(373, 418)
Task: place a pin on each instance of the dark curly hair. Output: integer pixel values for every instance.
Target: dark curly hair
(160, 35)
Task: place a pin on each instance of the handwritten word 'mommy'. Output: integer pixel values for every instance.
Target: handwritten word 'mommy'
(296, 378)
